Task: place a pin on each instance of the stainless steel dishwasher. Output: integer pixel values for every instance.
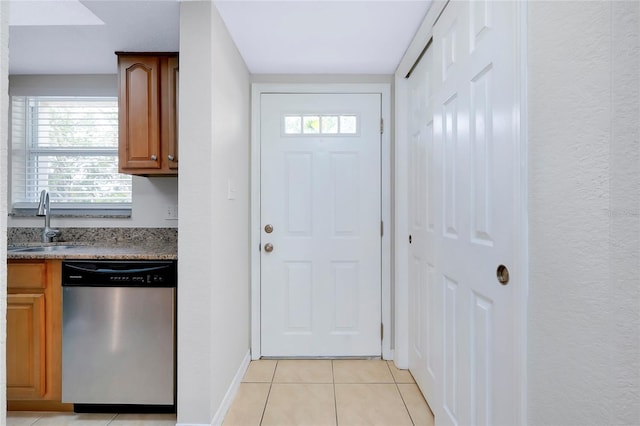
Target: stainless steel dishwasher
(118, 335)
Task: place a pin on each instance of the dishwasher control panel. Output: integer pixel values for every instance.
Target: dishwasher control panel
(119, 273)
(147, 279)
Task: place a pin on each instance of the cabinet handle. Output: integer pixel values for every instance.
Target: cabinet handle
(171, 157)
(153, 157)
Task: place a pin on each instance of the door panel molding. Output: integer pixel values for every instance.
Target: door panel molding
(257, 89)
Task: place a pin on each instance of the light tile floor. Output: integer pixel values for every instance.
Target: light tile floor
(291, 392)
(328, 392)
(24, 418)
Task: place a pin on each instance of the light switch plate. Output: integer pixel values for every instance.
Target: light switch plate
(172, 212)
(231, 190)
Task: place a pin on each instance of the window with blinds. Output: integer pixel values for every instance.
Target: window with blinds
(68, 146)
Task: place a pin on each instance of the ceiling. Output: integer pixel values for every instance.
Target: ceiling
(89, 49)
(304, 36)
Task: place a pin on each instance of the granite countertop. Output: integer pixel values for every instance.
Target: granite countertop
(123, 251)
(97, 243)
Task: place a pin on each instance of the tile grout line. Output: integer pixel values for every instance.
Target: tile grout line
(405, 405)
(335, 397)
(36, 420)
(112, 419)
(266, 402)
(401, 396)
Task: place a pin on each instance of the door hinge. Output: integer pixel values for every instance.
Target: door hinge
(259, 246)
(381, 125)
(381, 331)
(381, 228)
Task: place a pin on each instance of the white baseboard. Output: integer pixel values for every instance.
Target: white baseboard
(231, 392)
(389, 355)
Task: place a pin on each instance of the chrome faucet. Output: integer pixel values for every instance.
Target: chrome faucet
(45, 210)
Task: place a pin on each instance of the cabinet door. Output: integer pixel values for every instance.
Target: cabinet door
(139, 112)
(171, 111)
(26, 362)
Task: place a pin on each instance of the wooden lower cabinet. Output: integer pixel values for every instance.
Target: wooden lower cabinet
(26, 341)
(34, 335)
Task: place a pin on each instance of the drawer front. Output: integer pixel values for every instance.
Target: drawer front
(26, 275)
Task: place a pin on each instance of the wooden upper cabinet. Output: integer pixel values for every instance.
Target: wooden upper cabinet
(172, 112)
(147, 113)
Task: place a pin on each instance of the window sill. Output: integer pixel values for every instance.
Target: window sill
(124, 213)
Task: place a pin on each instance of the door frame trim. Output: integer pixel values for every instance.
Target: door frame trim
(257, 90)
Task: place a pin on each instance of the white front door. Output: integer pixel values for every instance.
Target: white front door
(464, 217)
(320, 209)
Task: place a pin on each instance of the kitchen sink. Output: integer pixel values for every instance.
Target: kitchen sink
(40, 249)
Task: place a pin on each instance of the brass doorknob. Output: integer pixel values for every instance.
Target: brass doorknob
(268, 247)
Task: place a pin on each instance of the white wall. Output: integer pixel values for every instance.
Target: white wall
(64, 84)
(195, 272)
(213, 291)
(231, 167)
(584, 301)
(151, 196)
(4, 121)
(323, 78)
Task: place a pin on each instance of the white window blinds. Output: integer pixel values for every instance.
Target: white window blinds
(69, 146)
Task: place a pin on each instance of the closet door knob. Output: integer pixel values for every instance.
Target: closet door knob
(502, 273)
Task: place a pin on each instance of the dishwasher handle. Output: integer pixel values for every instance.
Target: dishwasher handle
(110, 270)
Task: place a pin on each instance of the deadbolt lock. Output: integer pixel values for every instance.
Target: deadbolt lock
(268, 229)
